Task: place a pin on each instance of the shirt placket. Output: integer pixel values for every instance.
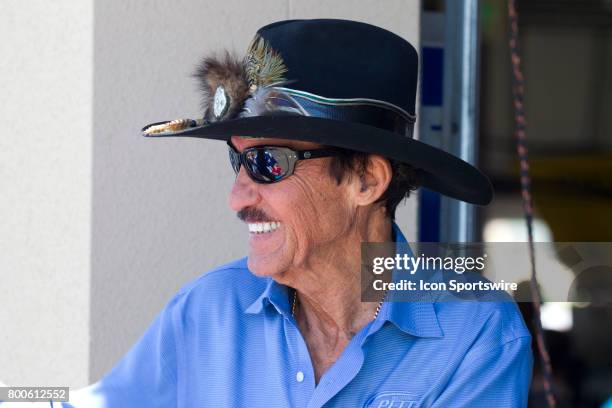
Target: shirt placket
(301, 373)
(341, 373)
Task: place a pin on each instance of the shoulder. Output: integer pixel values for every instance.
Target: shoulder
(231, 284)
(483, 324)
(480, 313)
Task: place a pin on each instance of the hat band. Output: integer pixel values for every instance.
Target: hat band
(380, 114)
(270, 101)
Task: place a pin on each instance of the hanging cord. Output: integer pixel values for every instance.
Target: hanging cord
(518, 91)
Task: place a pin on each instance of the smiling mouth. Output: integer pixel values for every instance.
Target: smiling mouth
(263, 227)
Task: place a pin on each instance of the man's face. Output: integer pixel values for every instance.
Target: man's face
(311, 212)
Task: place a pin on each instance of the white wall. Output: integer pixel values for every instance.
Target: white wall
(45, 190)
(99, 242)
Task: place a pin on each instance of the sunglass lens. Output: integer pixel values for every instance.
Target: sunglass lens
(267, 165)
(234, 159)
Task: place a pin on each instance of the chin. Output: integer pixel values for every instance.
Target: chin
(269, 254)
(262, 267)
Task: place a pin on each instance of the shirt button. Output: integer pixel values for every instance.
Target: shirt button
(299, 376)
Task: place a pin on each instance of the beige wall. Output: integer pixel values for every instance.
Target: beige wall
(45, 190)
(105, 225)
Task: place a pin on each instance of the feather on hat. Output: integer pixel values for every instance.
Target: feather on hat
(227, 82)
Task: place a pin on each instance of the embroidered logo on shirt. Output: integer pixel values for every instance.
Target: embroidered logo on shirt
(391, 400)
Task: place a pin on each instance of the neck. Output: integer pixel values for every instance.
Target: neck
(328, 287)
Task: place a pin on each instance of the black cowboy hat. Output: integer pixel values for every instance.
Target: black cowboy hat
(334, 82)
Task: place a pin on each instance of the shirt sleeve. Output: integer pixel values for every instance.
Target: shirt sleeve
(491, 377)
(144, 377)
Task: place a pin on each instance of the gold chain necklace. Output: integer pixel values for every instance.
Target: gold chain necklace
(294, 303)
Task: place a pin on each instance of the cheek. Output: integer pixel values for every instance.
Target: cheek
(319, 212)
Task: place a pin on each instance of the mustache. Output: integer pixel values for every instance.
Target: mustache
(252, 214)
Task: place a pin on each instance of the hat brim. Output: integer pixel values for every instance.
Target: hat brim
(441, 171)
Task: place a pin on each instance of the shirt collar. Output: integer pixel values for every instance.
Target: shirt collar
(417, 318)
(274, 294)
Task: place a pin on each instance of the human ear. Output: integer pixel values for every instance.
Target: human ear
(374, 179)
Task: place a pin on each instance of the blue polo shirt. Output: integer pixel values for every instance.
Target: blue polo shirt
(228, 340)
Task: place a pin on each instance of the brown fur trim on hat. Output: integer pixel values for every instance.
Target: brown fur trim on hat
(230, 73)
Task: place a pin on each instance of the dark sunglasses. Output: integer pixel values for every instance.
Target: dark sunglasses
(271, 164)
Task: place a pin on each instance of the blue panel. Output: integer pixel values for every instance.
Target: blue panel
(432, 61)
(429, 202)
(429, 216)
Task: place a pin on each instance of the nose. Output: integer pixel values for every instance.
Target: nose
(244, 193)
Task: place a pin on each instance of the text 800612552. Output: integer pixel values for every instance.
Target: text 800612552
(34, 394)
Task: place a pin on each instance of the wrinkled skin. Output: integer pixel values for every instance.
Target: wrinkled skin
(316, 214)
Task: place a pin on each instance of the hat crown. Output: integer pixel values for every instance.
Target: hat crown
(345, 60)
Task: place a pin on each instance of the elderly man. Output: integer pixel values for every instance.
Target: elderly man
(318, 118)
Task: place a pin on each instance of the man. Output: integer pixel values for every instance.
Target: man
(318, 117)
